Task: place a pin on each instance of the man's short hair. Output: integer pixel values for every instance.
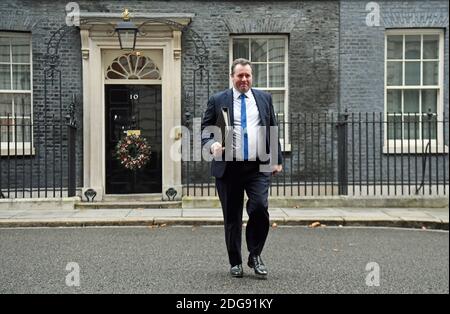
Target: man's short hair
(240, 61)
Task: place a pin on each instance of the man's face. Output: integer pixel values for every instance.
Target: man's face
(242, 77)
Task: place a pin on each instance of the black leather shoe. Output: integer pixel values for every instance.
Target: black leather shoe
(237, 271)
(255, 262)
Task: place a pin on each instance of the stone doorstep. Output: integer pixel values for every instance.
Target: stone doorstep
(128, 205)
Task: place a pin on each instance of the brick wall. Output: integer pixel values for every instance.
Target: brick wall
(362, 66)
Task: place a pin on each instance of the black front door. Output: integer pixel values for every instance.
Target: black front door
(131, 108)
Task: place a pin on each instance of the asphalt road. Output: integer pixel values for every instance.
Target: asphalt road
(193, 260)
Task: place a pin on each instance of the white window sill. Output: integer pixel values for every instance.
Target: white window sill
(27, 151)
(433, 149)
(285, 147)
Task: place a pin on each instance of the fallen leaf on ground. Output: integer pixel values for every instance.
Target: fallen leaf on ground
(314, 224)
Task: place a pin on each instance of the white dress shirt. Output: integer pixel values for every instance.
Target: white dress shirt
(253, 125)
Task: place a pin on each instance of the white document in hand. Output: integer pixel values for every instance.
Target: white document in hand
(227, 125)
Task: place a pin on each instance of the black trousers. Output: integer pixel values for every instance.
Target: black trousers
(243, 176)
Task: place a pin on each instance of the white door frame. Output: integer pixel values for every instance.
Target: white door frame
(95, 40)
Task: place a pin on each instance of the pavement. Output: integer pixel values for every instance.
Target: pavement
(426, 218)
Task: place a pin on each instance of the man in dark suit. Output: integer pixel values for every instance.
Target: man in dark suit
(244, 165)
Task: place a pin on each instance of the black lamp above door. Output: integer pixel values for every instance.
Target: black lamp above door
(126, 32)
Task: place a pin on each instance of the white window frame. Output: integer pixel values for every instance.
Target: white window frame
(19, 148)
(285, 144)
(409, 146)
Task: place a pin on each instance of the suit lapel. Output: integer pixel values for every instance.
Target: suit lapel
(229, 104)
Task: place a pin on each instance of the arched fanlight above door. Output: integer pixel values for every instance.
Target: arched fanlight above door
(131, 66)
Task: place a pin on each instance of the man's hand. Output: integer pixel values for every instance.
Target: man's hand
(217, 149)
(277, 169)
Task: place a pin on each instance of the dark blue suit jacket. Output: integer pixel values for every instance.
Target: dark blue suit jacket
(214, 110)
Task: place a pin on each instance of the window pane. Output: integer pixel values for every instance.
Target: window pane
(395, 47)
(276, 75)
(22, 105)
(278, 101)
(240, 48)
(5, 104)
(149, 71)
(124, 64)
(20, 50)
(23, 130)
(133, 63)
(259, 50)
(411, 101)
(6, 130)
(430, 72)
(5, 76)
(259, 75)
(394, 101)
(429, 127)
(281, 128)
(412, 73)
(429, 100)
(21, 77)
(4, 49)
(411, 126)
(412, 47)
(394, 73)
(430, 46)
(276, 50)
(394, 127)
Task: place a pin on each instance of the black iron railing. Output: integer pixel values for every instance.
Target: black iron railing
(36, 165)
(349, 154)
(324, 154)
